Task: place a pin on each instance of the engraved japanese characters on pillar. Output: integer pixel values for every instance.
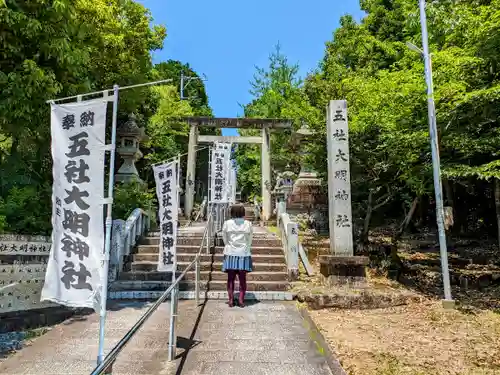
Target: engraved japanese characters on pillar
(339, 183)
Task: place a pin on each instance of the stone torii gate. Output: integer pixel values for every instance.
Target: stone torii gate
(239, 123)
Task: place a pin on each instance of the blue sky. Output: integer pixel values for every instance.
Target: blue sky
(226, 39)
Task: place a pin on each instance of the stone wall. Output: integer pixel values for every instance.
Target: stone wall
(23, 262)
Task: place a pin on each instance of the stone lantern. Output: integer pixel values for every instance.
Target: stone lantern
(284, 185)
(283, 188)
(130, 136)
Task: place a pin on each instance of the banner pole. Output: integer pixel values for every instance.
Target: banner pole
(174, 295)
(109, 221)
(178, 206)
(209, 182)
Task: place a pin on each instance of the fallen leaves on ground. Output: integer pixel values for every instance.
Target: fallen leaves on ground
(415, 339)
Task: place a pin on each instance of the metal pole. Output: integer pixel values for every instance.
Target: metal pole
(80, 96)
(172, 342)
(197, 286)
(182, 85)
(171, 334)
(109, 220)
(438, 191)
(175, 310)
(179, 178)
(209, 232)
(210, 205)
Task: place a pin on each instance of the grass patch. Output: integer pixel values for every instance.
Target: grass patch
(37, 332)
(273, 229)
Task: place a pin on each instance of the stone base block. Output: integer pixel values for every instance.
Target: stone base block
(341, 270)
(293, 274)
(448, 304)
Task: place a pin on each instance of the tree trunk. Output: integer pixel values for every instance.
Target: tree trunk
(407, 219)
(381, 201)
(497, 206)
(368, 216)
(449, 201)
(449, 193)
(14, 146)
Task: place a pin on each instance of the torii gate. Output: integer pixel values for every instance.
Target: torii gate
(240, 123)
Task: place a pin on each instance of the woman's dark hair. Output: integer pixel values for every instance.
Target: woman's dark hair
(237, 211)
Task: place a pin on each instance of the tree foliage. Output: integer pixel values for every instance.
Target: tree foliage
(194, 88)
(168, 136)
(369, 64)
(55, 48)
(277, 94)
(58, 48)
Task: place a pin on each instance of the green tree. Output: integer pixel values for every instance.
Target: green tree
(277, 94)
(168, 136)
(382, 80)
(54, 49)
(194, 88)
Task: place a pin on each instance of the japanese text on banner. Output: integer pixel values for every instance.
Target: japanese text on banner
(166, 191)
(74, 271)
(221, 159)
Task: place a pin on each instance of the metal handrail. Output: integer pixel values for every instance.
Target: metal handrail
(111, 357)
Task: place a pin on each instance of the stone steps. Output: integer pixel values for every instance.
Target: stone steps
(205, 266)
(193, 249)
(212, 295)
(215, 275)
(196, 241)
(148, 262)
(188, 285)
(141, 275)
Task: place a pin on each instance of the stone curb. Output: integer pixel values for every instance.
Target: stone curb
(362, 301)
(190, 295)
(319, 339)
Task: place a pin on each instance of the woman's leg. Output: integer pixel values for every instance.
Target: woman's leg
(231, 276)
(242, 277)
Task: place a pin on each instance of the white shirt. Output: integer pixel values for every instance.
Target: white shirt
(237, 236)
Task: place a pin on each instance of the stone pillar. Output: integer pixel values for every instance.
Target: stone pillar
(266, 175)
(116, 252)
(339, 180)
(191, 171)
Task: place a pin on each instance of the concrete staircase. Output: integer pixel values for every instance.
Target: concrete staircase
(142, 281)
(250, 216)
(250, 213)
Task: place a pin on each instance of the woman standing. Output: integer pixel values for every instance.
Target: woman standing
(237, 236)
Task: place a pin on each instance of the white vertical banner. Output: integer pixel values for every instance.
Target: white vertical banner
(339, 179)
(221, 159)
(74, 271)
(167, 193)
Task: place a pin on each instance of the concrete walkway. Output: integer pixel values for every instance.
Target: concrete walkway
(70, 348)
(263, 338)
(260, 339)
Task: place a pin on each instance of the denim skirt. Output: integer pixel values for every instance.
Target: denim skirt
(237, 263)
